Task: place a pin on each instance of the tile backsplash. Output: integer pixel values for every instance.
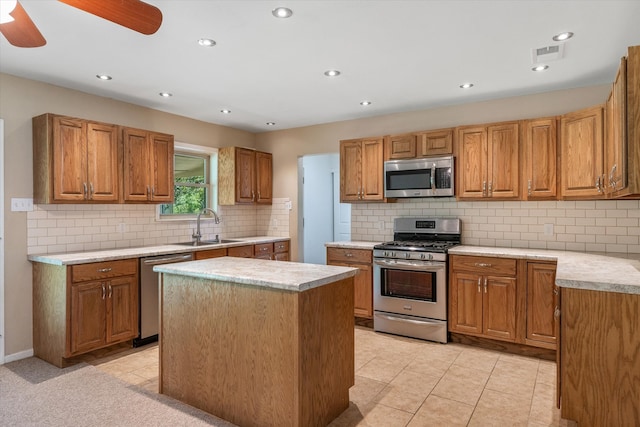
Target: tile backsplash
(592, 226)
(74, 228)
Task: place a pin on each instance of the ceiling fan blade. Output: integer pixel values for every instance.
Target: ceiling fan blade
(22, 32)
(133, 14)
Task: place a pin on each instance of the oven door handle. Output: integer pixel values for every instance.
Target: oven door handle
(425, 322)
(419, 266)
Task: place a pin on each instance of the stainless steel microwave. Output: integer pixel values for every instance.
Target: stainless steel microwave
(424, 177)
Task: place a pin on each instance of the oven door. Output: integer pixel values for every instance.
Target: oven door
(415, 288)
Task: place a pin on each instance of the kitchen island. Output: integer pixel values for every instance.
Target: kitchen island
(258, 343)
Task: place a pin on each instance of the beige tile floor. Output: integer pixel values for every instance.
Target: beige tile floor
(406, 382)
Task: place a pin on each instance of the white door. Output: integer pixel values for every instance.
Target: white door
(322, 217)
(2, 242)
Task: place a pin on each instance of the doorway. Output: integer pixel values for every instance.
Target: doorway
(321, 216)
(2, 242)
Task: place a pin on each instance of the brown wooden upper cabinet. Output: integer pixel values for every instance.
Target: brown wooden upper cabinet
(361, 170)
(74, 160)
(488, 159)
(539, 156)
(245, 176)
(615, 138)
(434, 143)
(400, 146)
(148, 166)
(581, 159)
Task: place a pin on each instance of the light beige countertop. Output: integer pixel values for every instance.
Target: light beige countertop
(599, 272)
(144, 251)
(352, 245)
(287, 275)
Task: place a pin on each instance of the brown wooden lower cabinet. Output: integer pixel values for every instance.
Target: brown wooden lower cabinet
(361, 259)
(278, 251)
(80, 308)
(503, 299)
(210, 253)
(599, 367)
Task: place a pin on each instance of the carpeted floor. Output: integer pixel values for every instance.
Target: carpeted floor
(35, 393)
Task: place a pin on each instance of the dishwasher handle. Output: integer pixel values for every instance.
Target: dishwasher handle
(167, 260)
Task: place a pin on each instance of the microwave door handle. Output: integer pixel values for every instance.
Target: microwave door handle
(433, 177)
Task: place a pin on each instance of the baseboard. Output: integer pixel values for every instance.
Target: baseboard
(18, 356)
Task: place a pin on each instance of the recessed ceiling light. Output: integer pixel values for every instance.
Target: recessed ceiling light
(103, 77)
(466, 85)
(563, 36)
(165, 94)
(282, 12)
(206, 42)
(271, 123)
(225, 111)
(365, 103)
(332, 73)
(540, 68)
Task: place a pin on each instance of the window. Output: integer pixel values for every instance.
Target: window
(195, 176)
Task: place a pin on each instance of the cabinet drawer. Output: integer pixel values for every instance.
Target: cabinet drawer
(103, 270)
(241, 251)
(281, 246)
(210, 253)
(263, 249)
(484, 265)
(349, 255)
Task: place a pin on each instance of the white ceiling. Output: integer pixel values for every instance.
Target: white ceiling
(401, 55)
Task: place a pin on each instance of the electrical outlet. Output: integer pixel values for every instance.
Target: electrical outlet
(122, 227)
(21, 205)
(288, 205)
(381, 225)
(548, 229)
(275, 223)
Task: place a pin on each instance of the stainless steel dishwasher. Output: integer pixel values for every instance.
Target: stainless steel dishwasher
(149, 300)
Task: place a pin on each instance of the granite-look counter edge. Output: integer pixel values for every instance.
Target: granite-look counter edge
(610, 273)
(286, 275)
(72, 258)
(352, 245)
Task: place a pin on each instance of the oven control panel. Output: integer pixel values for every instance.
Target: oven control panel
(409, 255)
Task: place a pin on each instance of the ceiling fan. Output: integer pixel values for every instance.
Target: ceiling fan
(20, 30)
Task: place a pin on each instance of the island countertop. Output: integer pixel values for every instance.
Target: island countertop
(287, 275)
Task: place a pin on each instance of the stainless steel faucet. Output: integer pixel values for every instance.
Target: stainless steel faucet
(197, 235)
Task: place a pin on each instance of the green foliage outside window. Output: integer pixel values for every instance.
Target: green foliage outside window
(191, 186)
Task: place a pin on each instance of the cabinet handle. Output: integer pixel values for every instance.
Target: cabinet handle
(348, 254)
(84, 190)
(104, 270)
(485, 285)
(253, 196)
(148, 192)
(484, 188)
(153, 192)
(258, 195)
(110, 291)
(479, 282)
(264, 249)
(482, 264)
(556, 313)
(529, 187)
(598, 185)
(490, 188)
(104, 291)
(91, 190)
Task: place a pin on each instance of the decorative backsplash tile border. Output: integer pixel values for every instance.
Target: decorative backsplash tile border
(72, 228)
(583, 226)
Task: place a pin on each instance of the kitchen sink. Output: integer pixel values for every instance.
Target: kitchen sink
(206, 242)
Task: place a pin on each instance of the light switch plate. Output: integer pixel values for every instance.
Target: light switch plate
(21, 204)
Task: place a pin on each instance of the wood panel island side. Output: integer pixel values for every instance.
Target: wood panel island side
(257, 342)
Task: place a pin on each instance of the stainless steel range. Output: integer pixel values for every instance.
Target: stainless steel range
(410, 278)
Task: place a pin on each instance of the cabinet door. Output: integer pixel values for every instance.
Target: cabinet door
(372, 169)
(88, 316)
(350, 171)
(245, 175)
(161, 172)
(615, 166)
(465, 303)
(581, 153)
(499, 307)
(241, 251)
(122, 309)
(503, 162)
(281, 256)
(363, 291)
(137, 158)
(102, 162)
(541, 303)
(435, 143)
(263, 251)
(264, 178)
(540, 159)
(472, 172)
(69, 159)
(400, 146)
(210, 253)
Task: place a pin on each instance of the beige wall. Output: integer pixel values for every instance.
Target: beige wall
(288, 145)
(20, 100)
